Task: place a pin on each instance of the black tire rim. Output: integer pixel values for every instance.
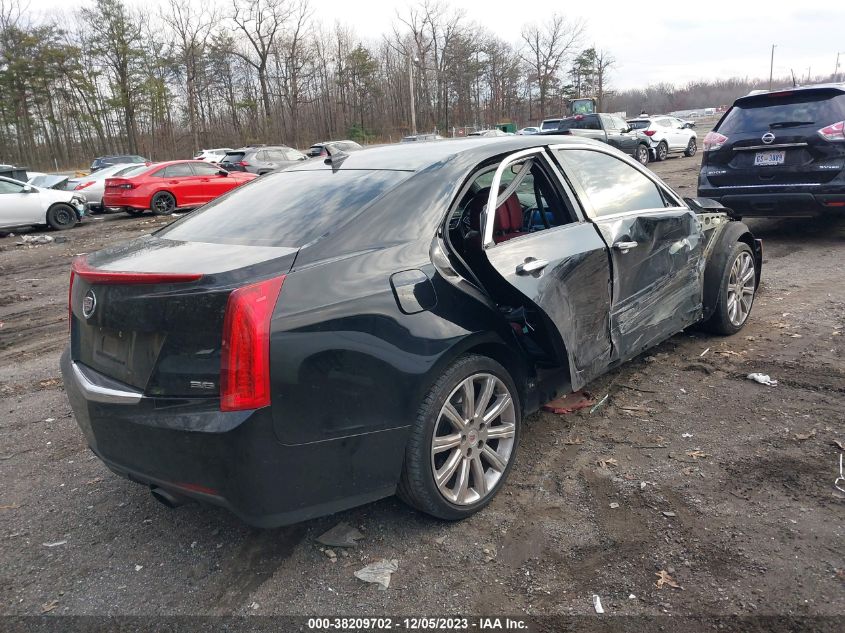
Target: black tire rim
(63, 216)
(164, 203)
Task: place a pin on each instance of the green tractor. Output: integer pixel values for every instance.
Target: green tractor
(582, 106)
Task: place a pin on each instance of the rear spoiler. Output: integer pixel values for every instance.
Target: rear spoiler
(707, 205)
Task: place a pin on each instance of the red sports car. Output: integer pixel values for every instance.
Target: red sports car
(165, 187)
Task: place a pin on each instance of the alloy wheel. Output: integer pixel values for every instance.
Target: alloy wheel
(642, 154)
(163, 204)
(473, 439)
(741, 284)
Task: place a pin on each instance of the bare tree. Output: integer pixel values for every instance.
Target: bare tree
(546, 47)
(260, 21)
(604, 62)
(192, 29)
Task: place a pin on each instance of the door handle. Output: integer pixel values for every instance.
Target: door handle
(625, 246)
(531, 265)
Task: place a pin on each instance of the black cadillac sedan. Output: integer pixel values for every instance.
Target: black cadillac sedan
(382, 322)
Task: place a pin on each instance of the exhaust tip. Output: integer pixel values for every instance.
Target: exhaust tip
(170, 499)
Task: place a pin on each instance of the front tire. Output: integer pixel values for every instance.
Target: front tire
(662, 151)
(61, 217)
(464, 440)
(163, 203)
(642, 154)
(737, 289)
(692, 148)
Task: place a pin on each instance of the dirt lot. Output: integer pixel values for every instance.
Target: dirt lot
(725, 484)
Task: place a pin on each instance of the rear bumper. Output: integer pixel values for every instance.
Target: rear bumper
(233, 459)
(795, 201)
(118, 201)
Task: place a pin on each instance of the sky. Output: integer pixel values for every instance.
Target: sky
(653, 41)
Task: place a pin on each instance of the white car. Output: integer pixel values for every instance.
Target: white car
(528, 130)
(93, 186)
(22, 204)
(667, 135)
(213, 155)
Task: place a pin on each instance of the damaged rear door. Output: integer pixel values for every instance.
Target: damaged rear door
(656, 247)
(539, 243)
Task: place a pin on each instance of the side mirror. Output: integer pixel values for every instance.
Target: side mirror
(28, 189)
(222, 172)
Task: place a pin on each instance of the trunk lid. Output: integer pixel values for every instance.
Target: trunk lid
(162, 334)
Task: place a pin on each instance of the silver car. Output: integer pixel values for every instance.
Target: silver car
(94, 185)
(262, 159)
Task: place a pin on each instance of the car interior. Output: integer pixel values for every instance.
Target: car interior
(528, 202)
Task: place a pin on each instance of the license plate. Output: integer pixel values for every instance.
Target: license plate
(769, 158)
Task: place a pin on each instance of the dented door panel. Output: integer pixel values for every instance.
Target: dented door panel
(573, 290)
(656, 283)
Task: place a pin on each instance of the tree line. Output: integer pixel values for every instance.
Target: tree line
(111, 80)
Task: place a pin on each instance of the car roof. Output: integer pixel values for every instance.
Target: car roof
(418, 156)
(755, 95)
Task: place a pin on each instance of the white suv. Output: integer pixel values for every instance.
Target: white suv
(667, 135)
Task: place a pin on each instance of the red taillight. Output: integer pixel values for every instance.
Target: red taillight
(82, 185)
(713, 141)
(835, 132)
(85, 271)
(243, 163)
(70, 299)
(118, 183)
(245, 365)
(650, 132)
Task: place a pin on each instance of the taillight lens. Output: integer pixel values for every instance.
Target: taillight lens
(83, 185)
(835, 132)
(243, 163)
(245, 363)
(650, 132)
(714, 141)
(70, 299)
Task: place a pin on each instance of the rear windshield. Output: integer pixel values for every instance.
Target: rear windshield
(639, 125)
(233, 157)
(587, 122)
(287, 208)
(550, 124)
(128, 172)
(766, 112)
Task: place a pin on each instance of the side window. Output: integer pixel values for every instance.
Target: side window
(10, 187)
(664, 123)
(178, 170)
(591, 122)
(609, 123)
(201, 169)
(619, 123)
(262, 156)
(611, 185)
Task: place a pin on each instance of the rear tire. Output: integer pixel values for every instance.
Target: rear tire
(61, 217)
(662, 151)
(642, 154)
(163, 203)
(737, 289)
(692, 148)
(453, 438)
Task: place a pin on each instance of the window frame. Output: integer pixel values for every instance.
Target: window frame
(195, 168)
(586, 203)
(560, 185)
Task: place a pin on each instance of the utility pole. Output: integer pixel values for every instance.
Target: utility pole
(411, 91)
(772, 65)
(836, 68)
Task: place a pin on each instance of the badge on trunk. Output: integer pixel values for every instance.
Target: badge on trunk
(89, 304)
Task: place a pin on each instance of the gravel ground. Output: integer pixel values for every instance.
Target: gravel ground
(724, 484)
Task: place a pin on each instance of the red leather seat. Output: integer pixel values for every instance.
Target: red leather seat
(508, 221)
